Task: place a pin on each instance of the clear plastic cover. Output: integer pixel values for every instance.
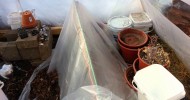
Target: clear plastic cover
(169, 32)
(92, 92)
(85, 55)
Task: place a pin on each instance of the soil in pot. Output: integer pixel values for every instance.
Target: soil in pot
(153, 55)
(128, 76)
(132, 38)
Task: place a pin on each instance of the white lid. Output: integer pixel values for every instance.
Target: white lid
(157, 83)
(119, 22)
(140, 18)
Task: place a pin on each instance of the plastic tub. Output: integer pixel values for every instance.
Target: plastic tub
(14, 20)
(118, 23)
(140, 18)
(141, 21)
(156, 83)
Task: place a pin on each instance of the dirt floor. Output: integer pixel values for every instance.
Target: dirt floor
(44, 87)
(179, 14)
(177, 68)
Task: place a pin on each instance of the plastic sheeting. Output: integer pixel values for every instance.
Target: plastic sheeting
(53, 12)
(90, 93)
(161, 4)
(85, 55)
(169, 32)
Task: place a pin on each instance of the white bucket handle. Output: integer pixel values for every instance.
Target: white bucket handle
(2, 84)
(134, 85)
(144, 95)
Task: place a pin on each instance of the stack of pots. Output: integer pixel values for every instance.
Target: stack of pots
(129, 41)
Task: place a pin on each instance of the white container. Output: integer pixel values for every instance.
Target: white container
(15, 26)
(140, 18)
(14, 20)
(156, 83)
(141, 21)
(118, 23)
(2, 94)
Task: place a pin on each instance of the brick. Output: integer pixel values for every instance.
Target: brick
(9, 51)
(29, 53)
(46, 49)
(30, 42)
(8, 48)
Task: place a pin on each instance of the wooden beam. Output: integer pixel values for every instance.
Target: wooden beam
(55, 30)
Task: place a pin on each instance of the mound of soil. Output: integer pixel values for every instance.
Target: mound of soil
(15, 84)
(43, 87)
(180, 16)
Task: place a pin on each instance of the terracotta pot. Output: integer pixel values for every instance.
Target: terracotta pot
(128, 54)
(136, 65)
(128, 76)
(28, 20)
(143, 64)
(132, 38)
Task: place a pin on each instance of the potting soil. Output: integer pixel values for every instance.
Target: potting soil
(43, 87)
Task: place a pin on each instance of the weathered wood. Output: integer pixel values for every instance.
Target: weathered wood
(56, 30)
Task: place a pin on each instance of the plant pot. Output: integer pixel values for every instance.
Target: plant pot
(143, 64)
(128, 54)
(132, 38)
(128, 76)
(136, 65)
(28, 20)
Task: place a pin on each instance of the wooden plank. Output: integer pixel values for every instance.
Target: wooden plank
(56, 30)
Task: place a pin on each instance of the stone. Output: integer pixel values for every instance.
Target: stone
(29, 42)
(46, 49)
(29, 53)
(9, 51)
(8, 48)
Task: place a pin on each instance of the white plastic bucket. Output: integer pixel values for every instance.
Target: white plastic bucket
(140, 18)
(118, 23)
(15, 26)
(141, 21)
(2, 94)
(14, 20)
(156, 83)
